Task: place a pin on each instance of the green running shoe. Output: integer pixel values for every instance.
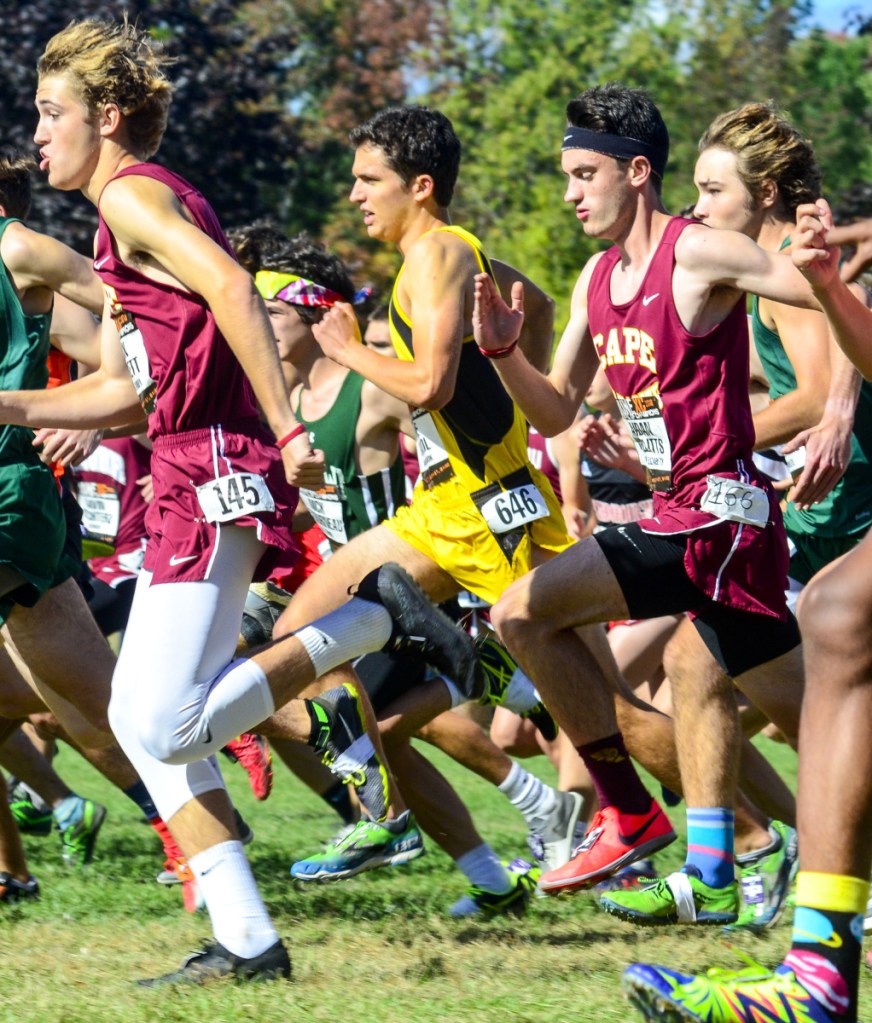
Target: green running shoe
(508, 686)
(30, 821)
(348, 751)
(366, 846)
(679, 898)
(479, 902)
(766, 879)
(79, 838)
(752, 995)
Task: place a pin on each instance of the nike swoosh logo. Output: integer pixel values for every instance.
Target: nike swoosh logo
(634, 836)
(101, 262)
(648, 299)
(178, 561)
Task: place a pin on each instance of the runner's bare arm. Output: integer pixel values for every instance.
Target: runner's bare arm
(37, 260)
(828, 444)
(436, 284)
(729, 259)
(550, 402)
(75, 332)
(805, 337)
(850, 320)
(106, 397)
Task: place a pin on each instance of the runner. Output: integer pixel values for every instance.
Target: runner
(194, 332)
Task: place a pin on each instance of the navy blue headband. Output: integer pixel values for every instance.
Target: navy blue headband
(620, 146)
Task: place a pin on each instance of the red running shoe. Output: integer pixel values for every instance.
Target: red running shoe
(612, 840)
(253, 753)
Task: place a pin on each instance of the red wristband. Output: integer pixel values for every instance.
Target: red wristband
(498, 353)
(288, 437)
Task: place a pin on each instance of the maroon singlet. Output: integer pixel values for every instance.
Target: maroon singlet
(685, 399)
(202, 414)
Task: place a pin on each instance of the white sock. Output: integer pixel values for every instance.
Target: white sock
(358, 627)
(483, 869)
(532, 797)
(520, 695)
(240, 698)
(239, 918)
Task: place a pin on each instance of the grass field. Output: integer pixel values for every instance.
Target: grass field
(376, 949)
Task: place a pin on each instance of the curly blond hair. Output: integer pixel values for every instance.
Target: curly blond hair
(112, 62)
(767, 147)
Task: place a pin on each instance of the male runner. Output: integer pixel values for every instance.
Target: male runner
(481, 515)
(195, 348)
(662, 312)
(819, 978)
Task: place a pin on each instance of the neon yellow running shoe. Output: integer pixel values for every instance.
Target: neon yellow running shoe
(752, 995)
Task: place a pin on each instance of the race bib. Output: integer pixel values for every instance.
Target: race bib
(325, 507)
(432, 456)
(735, 501)
(101, 510)
(795, 462)
(643, 415)
(512, 509)
(136, 357)
(230, 497)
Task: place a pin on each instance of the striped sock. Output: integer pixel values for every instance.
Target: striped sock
(710, 844)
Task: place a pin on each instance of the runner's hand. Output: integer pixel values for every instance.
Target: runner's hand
(495, 324)
(68, 447)
(827, 453)
(818, 262)
(303, 466)
(337, 330)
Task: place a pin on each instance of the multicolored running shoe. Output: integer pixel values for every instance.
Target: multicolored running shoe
(678, 898)
(766, 880)
(364, 846)
(751, 995)
(346, 748)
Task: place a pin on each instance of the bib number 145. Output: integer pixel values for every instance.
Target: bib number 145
(230, 497)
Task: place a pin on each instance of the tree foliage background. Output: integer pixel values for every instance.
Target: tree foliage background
(267, 90)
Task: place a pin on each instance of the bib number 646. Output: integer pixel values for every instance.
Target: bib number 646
(514, 508)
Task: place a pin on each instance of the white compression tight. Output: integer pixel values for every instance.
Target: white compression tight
(178, 646)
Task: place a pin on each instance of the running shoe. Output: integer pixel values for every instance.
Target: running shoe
(633, 876)
(678, 898)
(252, 751)
(482, 903)
(12, 890)
(29, 819)
(215, 962)
(78, 839)
(421, 626)
(612, 840)
(766, 880)
(550, 836)
(348, 751)
(508, 686)
(751, 995)
(365, 846)
(264, 604)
